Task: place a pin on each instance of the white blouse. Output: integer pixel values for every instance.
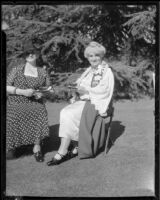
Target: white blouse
(101, 94)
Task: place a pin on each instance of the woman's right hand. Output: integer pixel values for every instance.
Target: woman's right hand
(28, 92)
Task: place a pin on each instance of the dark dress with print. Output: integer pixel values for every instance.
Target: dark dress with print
(27, 118)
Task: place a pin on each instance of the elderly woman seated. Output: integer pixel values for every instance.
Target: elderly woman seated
(95, 88)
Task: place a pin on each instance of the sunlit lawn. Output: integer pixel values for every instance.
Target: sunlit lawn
(127, 169)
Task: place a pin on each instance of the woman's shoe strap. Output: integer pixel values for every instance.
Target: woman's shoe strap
(60, 154)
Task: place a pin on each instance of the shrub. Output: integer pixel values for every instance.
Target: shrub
(130, 82)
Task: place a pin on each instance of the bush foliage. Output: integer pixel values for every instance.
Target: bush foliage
(61, 32)
(130, 82)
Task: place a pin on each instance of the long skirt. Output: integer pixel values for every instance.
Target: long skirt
(91, 132)
(26, 123)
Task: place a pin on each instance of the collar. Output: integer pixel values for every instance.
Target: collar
(101, 67)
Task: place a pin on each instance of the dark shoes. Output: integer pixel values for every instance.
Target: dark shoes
(71, 154)
(68, 156)
(54, 161)
(38, 156)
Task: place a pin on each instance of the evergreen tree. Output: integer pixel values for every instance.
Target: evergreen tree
(142, 30)
(61, 32)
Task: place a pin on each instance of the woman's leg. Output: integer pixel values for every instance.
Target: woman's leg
(62, 153)
(63, 149)
(74, 150)
(37, 151)
(37, 147)
(68, 130)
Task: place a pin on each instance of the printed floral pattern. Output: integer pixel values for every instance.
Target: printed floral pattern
(27, 118)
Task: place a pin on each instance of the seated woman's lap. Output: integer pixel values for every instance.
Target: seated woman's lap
(73, 109)
(70, 120)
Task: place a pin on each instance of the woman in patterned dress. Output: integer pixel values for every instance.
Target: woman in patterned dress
(27, 121)
(96, 85)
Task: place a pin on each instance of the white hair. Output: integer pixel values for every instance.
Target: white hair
(94, 47)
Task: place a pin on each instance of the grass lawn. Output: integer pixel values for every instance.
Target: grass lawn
(127, 169)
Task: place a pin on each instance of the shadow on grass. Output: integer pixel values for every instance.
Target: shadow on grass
(52, 142)
(117, 129)
(25, 150)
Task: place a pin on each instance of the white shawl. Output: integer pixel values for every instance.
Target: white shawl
(100, 95)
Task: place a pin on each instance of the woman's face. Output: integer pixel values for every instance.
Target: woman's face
(31, 58)
(94, 59)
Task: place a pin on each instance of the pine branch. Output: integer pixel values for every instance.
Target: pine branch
(49, 7)
(55, 40)
(44, 24)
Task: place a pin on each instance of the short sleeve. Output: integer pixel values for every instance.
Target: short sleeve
(11, 76)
